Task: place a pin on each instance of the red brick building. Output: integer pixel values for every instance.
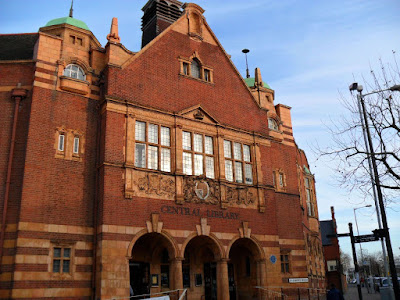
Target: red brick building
(331, 249)
(159, 169)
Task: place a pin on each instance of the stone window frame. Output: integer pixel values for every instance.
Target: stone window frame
(60, 131)
(203, 152)
(242, 161)
(61, 142)
(69, 137)
(78, 136)
(81, 69)
(206, 72)
(61, 274)
(279, 179)
(158, 145)
(273, 124)
(309, 195)
(286, 265)
(77, 40)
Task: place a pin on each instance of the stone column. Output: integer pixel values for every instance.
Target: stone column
(176, 274)
(221, 157)
(222, 280)
(130, 138)
(262, 273)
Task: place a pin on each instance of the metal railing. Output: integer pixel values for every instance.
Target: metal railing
(290, 293)
(179, 294)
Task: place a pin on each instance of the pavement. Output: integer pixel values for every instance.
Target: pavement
(352, 293)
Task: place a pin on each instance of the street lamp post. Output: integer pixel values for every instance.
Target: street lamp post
(245, 51)
(392, 267)
(361, 251)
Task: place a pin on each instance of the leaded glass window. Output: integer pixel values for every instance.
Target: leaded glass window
(74, 71)
(198, 149)
(153, 146)
(238, 167)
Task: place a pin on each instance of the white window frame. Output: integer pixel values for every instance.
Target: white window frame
(76, 145)
(162, 146)
(234, 154)
(70, 72)
(61, 142)
(205, 154)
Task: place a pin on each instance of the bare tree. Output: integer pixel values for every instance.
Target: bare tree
(348, 148)
(375, 263)
(345, 261)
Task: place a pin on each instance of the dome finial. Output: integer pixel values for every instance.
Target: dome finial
(71, 10)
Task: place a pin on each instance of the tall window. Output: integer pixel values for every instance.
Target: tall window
(309, 197)
(76, 145)
(285, 262)
(75, 71)
(195, 68)
(61, 141)
(153, 146)
(238, 164)
(198, 154)
(61, 260)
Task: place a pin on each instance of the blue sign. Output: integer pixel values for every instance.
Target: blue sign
(272, 258)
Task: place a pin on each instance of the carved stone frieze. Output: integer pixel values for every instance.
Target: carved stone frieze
(156, 184)
(240, 195)
(201, 190)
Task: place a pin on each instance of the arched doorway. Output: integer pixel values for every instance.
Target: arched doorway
(244, 269)
(199, 268)
(150, 264)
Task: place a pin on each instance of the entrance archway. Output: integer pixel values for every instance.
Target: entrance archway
(244, 269)
(199, 268)
(150, 264)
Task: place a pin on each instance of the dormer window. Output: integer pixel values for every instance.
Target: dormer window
(272, 124)
(75, 71)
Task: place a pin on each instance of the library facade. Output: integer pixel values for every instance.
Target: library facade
(128, 173)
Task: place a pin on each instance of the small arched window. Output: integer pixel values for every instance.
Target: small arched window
(272, 124)
(195, 69)
(75, 71)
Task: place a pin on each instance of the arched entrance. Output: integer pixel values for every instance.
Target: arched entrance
(244, 269)
(150, 264)
(199, 268)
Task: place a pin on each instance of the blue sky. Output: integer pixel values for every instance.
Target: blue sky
(308, 51)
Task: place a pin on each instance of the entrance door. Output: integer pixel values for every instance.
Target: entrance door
(210, 281)
(140, 277)
(231, 278)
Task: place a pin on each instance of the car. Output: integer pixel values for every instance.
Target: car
(353, 281)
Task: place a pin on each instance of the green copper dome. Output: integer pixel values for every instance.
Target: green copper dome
(70, 21)
(250, 82)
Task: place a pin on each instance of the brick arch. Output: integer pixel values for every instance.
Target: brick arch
(172, 249)
(257, 250)
(218, 249)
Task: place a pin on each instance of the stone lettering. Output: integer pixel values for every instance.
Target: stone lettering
(196, 212)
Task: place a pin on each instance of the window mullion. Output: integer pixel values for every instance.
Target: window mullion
(204, 155)
(159, 147)
(233, 161)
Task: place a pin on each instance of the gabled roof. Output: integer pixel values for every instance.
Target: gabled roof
(17, 46)
(228, 98)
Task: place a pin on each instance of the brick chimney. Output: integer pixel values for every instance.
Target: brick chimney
(158, 15)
